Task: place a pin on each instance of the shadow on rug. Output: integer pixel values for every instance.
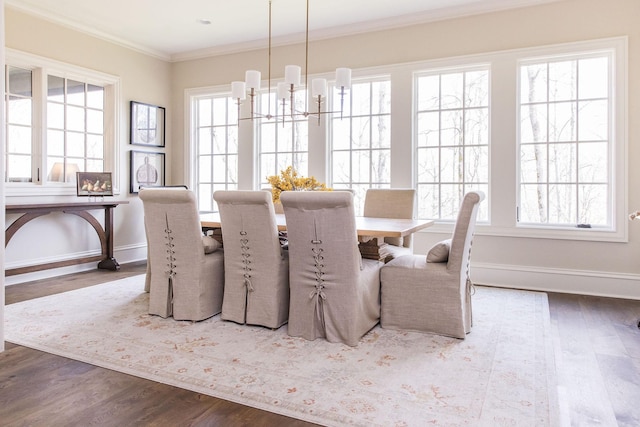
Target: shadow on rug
(502, 374)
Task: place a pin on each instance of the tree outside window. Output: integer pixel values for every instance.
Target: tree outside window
(564, 142)
(452, 149)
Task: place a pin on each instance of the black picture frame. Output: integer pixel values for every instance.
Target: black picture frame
(90, 184)
(146, 169)
(147, 125)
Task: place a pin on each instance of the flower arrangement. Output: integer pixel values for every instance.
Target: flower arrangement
(289, 180)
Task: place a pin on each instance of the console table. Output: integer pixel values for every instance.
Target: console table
(33, 211)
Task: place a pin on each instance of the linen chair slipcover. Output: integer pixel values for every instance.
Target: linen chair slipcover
(432, 297)
(184, 282)
(256, 288)
(147, 279)
(392, 203)
(335, 293)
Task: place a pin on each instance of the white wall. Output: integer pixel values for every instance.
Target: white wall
(589, 267)
(535, 263)
(142, 78)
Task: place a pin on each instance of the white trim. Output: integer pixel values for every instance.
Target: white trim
(557, 280)
(123, 254)
(112, 110)
(502, 131)
(190, 96)
(616, 50)
(76, 26)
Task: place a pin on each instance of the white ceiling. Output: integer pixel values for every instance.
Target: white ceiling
(171, 29)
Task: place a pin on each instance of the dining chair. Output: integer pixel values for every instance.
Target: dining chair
(392, 203)
(335, 293)
(256, 288)
(433, 293)
(184, 281)
(147, 280)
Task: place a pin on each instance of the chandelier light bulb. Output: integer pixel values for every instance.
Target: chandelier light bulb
(319, 88)
(252, 78)
(343, 78)
(238, 90)
(292, 75)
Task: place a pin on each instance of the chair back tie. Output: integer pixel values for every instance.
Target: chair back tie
(171, 264)
(246, 260)
(318, 293)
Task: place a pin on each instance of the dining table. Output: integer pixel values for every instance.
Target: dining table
(371, 230)
(365, 225)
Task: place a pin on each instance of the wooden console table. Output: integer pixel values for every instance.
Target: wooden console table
(33, 211)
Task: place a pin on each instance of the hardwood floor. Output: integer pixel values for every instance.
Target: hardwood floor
(596, 340)
(40, 389)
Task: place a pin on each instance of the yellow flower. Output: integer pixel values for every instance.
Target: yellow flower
(288, 180)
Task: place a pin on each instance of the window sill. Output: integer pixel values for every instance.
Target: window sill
(529, 232)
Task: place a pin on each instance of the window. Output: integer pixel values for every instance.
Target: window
(361, 139)
(56, 116)
(19, 101)
(216, 132)
(452, 140)
(283, 139)
(541, 131)
(565, 141)
(75, 128)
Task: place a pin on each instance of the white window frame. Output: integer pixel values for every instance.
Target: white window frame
(470, 185)
(277, 121)
(194, 149)
(503, 149)
(335, 101)
(616, 49)
(41, 67)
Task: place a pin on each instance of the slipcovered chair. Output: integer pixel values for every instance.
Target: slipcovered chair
(392, 203)
(433, 293)
(256, 288)
(147, 280)
(184, 282)
(335, 293)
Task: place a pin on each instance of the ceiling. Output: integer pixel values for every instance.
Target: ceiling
(173, 29)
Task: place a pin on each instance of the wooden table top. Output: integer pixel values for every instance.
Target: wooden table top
(366, 226)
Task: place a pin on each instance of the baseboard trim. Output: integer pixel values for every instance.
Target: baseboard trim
(582, 282)
(123, 254)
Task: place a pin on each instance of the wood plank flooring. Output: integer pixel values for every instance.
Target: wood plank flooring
(596, 340)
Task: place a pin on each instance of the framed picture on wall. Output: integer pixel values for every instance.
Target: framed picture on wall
(94, 184)
(147, 124)
(147, 169)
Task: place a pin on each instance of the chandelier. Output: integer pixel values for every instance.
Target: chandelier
(285, 91)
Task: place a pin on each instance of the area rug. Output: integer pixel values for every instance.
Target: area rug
(503, 374)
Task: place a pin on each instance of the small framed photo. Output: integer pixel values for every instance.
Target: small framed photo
(147, 169)
(94, 184)
(147, 124)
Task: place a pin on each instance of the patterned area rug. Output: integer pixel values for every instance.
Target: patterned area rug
(503, 374)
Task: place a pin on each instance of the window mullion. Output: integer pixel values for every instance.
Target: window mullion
(39, 126)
